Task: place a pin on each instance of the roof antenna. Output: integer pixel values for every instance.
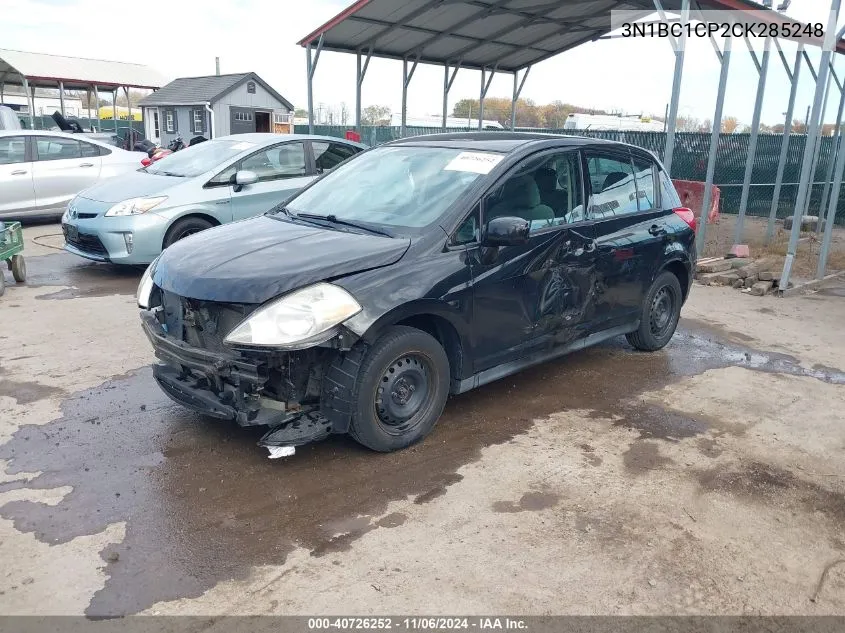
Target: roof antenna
(217, 66)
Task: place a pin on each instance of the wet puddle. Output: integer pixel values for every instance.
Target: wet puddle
(83, 278)
(202, 503)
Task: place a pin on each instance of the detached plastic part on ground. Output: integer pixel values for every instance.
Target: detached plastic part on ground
(281, 451)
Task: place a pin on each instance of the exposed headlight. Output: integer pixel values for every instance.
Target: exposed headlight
(135, 206)
(299, 316)
(145, 287)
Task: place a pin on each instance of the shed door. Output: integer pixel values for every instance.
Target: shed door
(242, 120)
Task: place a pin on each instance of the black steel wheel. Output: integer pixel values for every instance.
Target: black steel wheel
(401, 389)
(661, 311)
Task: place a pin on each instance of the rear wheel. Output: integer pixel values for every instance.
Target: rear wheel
(18, 267)
(2, 283)
(400, 391)
(660, 314)
(185, 227)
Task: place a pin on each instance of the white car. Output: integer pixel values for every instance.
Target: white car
(40, 172)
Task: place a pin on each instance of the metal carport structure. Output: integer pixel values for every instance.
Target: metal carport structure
(39, 70)
(509, 36)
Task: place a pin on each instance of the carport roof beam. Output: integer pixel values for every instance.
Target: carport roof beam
(514, 34)
(677, 76)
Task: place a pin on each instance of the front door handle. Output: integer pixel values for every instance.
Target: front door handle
(656, 230)
(87, 165)
(590, 246)
(19, 172)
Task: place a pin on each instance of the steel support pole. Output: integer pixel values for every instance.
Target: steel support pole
(406, 81)
(714, 143)
(834, 151)
(752, 141)
(62, 97)
(517, 90)
(812, 133)
(115, 116)
(445, 92)
(817, 143)
(128, 111)
(481, 102)
(31, 102)
(310, 87)
(358, 125)
(784, 146)
(97, 105)
(833, 203)
(669, 150)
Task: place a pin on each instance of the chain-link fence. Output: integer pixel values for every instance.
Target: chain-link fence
(689, 162)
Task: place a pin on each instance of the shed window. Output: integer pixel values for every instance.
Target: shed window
(250, 87)
(170, 121)
(199, 122)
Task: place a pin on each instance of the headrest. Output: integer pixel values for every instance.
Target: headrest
(546, 179)
(522, 191)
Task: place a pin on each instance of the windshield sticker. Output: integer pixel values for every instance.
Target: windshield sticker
(476, 162)
(242, 145)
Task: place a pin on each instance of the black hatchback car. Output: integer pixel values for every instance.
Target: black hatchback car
(418, 269)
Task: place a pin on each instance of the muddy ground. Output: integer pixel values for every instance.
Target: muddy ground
(707, 478)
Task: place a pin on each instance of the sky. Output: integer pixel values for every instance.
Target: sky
(182, 38)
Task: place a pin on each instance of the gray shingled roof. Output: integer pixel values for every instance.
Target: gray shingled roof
(199, 90)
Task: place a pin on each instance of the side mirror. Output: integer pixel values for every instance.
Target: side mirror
(506, 231)
(246, 177)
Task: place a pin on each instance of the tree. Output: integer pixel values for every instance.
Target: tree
(778, 128)
(687, 124)
(344, 112)
(799, 127)
(375, 115)
(300, 113)
(729, 124)
(706, 126)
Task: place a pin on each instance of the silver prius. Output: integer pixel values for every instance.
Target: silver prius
(41, 171)
(132, 218)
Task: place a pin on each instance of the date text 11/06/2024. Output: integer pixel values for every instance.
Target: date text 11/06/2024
(418, 623)
(783, 30)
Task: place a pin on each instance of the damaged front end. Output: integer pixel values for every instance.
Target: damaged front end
(281, 387)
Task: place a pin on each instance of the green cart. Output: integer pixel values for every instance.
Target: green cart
(11, 245)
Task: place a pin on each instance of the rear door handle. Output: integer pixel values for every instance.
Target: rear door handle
(19, 172)
(87, 165)
(656, 230)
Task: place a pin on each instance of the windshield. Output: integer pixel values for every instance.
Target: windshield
(198, 159)
(395, 186)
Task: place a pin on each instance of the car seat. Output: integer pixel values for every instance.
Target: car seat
(546, 179)
(521, 198)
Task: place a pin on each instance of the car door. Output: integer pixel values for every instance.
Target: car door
(15, 176)
(630, 230)
(62, 168)
(282, 170)
(539, 294)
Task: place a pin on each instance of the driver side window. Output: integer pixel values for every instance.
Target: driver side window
(546, 191)
(271, 163)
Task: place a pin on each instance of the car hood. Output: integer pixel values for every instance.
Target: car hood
(134, 184)
(258, 259)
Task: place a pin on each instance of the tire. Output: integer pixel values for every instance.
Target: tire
(400, 390)
(183, 228)
(18, 266)
(2, 283)
(661, 311)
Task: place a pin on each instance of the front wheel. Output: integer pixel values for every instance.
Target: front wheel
(660, 313)
(400, 391)
(18, 267)
(183, 228)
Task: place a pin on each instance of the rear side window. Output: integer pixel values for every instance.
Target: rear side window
(644, 175)
(668, 195)
(614, 189)
(12, 150)
(89, 150)
(329, 155)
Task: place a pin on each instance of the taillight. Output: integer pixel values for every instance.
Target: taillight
(687, 216)
(146, 162)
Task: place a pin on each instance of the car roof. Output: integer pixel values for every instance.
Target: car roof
(90, 137)
(504, 142)
(262, 138)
